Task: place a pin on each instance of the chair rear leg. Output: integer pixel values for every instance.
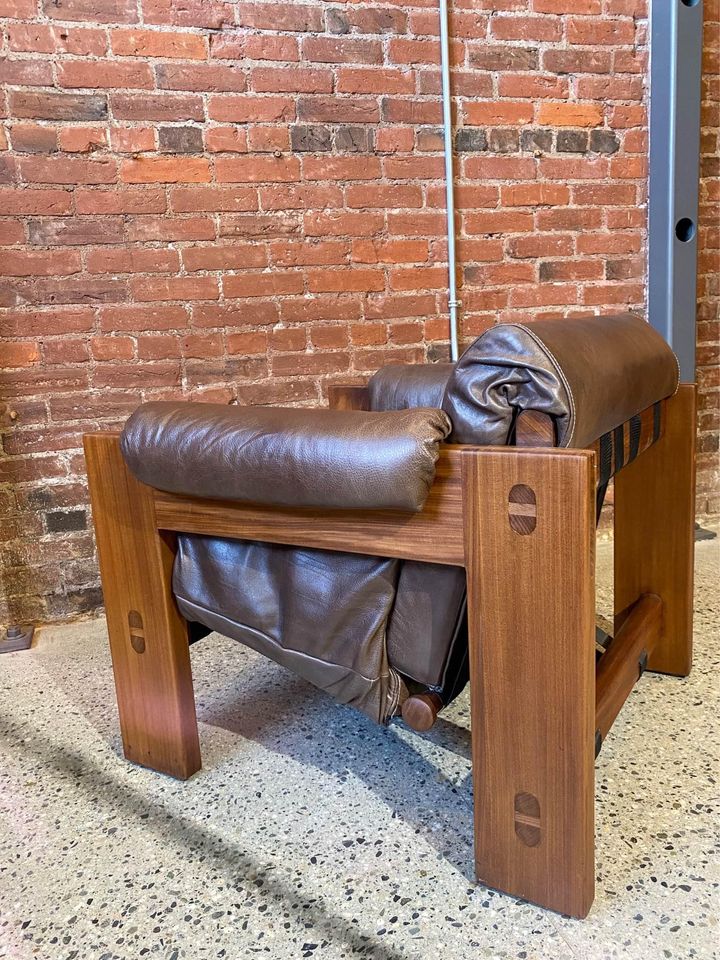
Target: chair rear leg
(654, 532)
(148, 636)
(530, 550)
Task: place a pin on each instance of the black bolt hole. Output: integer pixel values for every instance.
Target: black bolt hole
(690, 3)
(685, 230)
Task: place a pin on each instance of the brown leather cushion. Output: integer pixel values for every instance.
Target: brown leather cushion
(589, 374)
(285, 456)
(323, 615)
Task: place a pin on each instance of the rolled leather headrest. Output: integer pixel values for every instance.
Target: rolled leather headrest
(589, 374)
(402, 386)
(287, 456)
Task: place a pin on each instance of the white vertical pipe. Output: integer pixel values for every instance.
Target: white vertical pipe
(453, 302)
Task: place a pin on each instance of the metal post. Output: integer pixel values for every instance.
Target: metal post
(453, 302)
(676, 67)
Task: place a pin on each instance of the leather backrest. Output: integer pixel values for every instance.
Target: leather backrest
(404, 386)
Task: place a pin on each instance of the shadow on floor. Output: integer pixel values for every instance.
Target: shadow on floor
(233, 863)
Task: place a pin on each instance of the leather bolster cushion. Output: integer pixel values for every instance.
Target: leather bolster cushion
(400, 386)
(345, 459)
(589, 374)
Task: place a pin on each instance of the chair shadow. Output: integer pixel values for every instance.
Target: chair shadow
(235, 865)
(424, 778)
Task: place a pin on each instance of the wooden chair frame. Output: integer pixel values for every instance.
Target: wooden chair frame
(521, 520)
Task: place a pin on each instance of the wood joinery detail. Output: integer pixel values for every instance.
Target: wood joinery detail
(531, 609)
(148, 637)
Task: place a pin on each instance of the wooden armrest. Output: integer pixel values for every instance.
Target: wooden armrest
(348, 397)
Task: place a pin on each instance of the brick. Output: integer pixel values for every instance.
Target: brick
(157, 107)
(77, 73)
(180, 140)
(82, 139)
(341, 50)
(542, 29)
(257, 169)
(76, 231)
(310, 138)
(300, 196)
(19, 354)
(129, 260)
(28, 201)
(389, 251)
(68, 170)
(226, 140)
(395, 196)
(593, 32)
(290, 80)
(293, 253)
(241, 46)
(125, 200)
(156, 229)
(342, 224)
(259, 226)
(176, 288)
(203, 77)
(345, 280)
(212, 14)
(28, 73)
(570, 114)
(57, 106)
(224, 257)
(211, 198)
(375, 81)
(132, 139)
(33, 138)
(158, 43)
(279, 16)
(46, 38)
(250, 109)
(87, 11)
(262, 284)
(485, 56)
(341, 168)
(311, 364)
(137, 318)
(497, 112)
(165, 170)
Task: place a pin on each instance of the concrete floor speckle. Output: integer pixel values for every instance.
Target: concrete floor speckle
(310, 832)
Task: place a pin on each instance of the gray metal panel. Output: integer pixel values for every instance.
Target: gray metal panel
(676, 66)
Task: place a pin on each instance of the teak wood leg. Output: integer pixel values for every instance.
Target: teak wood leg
(148, 637)
(530, 550)
(654, 533)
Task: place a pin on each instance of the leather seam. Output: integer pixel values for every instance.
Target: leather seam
(266, 636)
(559, 371)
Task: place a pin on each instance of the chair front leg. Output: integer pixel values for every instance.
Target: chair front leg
(530, 550)
(148, 636)
(654, 532)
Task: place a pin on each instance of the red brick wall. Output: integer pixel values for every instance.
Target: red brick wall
(243, 201)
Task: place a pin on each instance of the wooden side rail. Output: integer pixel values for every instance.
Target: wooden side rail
(522, 523)
(623, 664)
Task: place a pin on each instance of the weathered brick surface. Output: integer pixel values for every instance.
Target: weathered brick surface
(242, 202)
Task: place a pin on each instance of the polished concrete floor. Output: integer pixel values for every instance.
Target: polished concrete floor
(312, 833)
